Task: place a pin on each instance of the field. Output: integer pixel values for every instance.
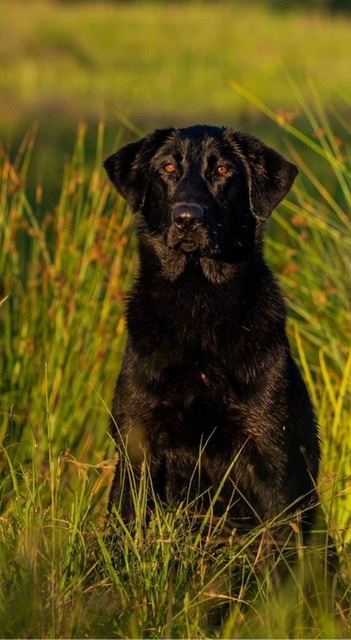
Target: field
(67, 257)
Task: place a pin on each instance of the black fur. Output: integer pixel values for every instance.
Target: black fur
(207, 366)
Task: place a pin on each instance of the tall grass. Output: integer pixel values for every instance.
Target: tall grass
(310, 246)
(64, 274)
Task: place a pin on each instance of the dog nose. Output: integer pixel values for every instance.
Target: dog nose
(187, 216)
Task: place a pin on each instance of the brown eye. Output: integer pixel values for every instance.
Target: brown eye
(169, 167)
(222, 170)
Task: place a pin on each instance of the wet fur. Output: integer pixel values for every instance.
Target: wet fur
(207, 366)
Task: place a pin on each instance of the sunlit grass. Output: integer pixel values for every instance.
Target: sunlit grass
(309, 246)
(63, 573)
(64, 274)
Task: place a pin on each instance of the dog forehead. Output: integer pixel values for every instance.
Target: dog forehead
(204, 138)
(196, 141)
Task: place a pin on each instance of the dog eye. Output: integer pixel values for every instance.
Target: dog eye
(169, 167)
(222, 170)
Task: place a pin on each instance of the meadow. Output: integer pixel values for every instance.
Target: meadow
(66, 262)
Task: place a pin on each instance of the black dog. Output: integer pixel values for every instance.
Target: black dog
(208, 386)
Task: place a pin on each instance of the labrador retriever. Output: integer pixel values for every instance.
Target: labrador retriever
(209, 396)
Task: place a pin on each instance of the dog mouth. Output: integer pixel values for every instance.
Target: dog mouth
(187, 245)
(196, 249)
(199, 244)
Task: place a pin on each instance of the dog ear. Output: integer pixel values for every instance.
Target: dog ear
(269, 175)
(127, 174)
(128, 168)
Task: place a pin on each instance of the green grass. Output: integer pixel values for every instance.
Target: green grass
(64, 274)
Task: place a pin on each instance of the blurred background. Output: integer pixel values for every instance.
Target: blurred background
(149, 64)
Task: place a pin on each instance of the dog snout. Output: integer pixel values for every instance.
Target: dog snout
(187, 216)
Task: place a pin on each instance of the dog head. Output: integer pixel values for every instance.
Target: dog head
(203, 191)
